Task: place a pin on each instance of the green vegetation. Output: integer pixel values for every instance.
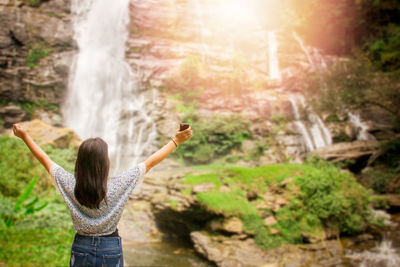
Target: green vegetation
(188, 82)
(321, 196)
(352, 85)
(34, 220)
(368, 26)
(34, 3)
(35, 246)
(36, 53)
(18, 166)
(25, 205)
(30, 107)
(215, 136)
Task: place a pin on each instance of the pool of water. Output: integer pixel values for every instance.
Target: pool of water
(162, 254)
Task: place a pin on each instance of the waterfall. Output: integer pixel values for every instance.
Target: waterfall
(362, 129)
(274, 72)
(202, 28)
(305, 50)
(314, 132)
(104, 96)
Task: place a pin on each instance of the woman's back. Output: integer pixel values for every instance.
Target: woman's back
(102, 221)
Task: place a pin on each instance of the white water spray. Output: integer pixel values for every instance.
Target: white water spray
(274, 72)
(305, 50)
(316, 134)
(104, 98)
(361, 127)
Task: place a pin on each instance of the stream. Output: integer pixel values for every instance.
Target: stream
(378, 253)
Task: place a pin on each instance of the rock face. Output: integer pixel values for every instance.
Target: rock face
(36, 49)
(234, 72)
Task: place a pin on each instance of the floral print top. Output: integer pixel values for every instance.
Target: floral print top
(102, 221)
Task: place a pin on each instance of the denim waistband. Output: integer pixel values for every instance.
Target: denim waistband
(97, 241)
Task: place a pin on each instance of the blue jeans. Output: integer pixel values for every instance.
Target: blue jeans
(96, 251)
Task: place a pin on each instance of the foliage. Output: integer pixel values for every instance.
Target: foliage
(319, 197)
(30, 107)
(18, 166)
(25, 205)
(385, 51)
(188, 82)
(34, 3)
(333, 196)
(379, 179)
(351, 85)
(215, 136)
(346, 24)
(36, 53)
(42, 231)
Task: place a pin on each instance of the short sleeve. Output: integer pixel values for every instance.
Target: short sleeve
(142, 172)
(64, 180)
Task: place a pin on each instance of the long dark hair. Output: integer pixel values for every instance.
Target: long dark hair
(91, 172)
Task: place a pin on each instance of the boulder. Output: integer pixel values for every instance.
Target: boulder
(45, 134)
(230, 225)
(12, 114)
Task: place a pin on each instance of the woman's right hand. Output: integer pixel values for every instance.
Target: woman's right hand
(182, 136)
(19, 131)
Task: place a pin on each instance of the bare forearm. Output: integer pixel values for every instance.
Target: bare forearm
(160, 155)
(39, 154)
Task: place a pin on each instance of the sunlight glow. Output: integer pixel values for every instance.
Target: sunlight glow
(237, 11)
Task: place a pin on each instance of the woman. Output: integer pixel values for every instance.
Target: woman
(96, 201)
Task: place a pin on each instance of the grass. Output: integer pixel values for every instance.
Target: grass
(18, 166)
(36, 247)
(43, 238)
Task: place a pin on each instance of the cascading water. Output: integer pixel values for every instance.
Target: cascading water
(313, 131)
(104, 98)
(314, 57)
(362, 129)
(274, 72)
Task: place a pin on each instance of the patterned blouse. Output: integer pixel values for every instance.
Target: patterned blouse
(102, 221)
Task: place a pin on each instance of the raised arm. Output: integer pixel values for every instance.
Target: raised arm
(39, 154)
(160, 155)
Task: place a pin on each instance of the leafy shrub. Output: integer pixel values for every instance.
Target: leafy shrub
(36, 53)
(378, 180)
(333, 196)
(320, 196)
(25, 205)
(18, 166)
(214, 136)
(352, 85)
(188, 82)
(385, 51)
